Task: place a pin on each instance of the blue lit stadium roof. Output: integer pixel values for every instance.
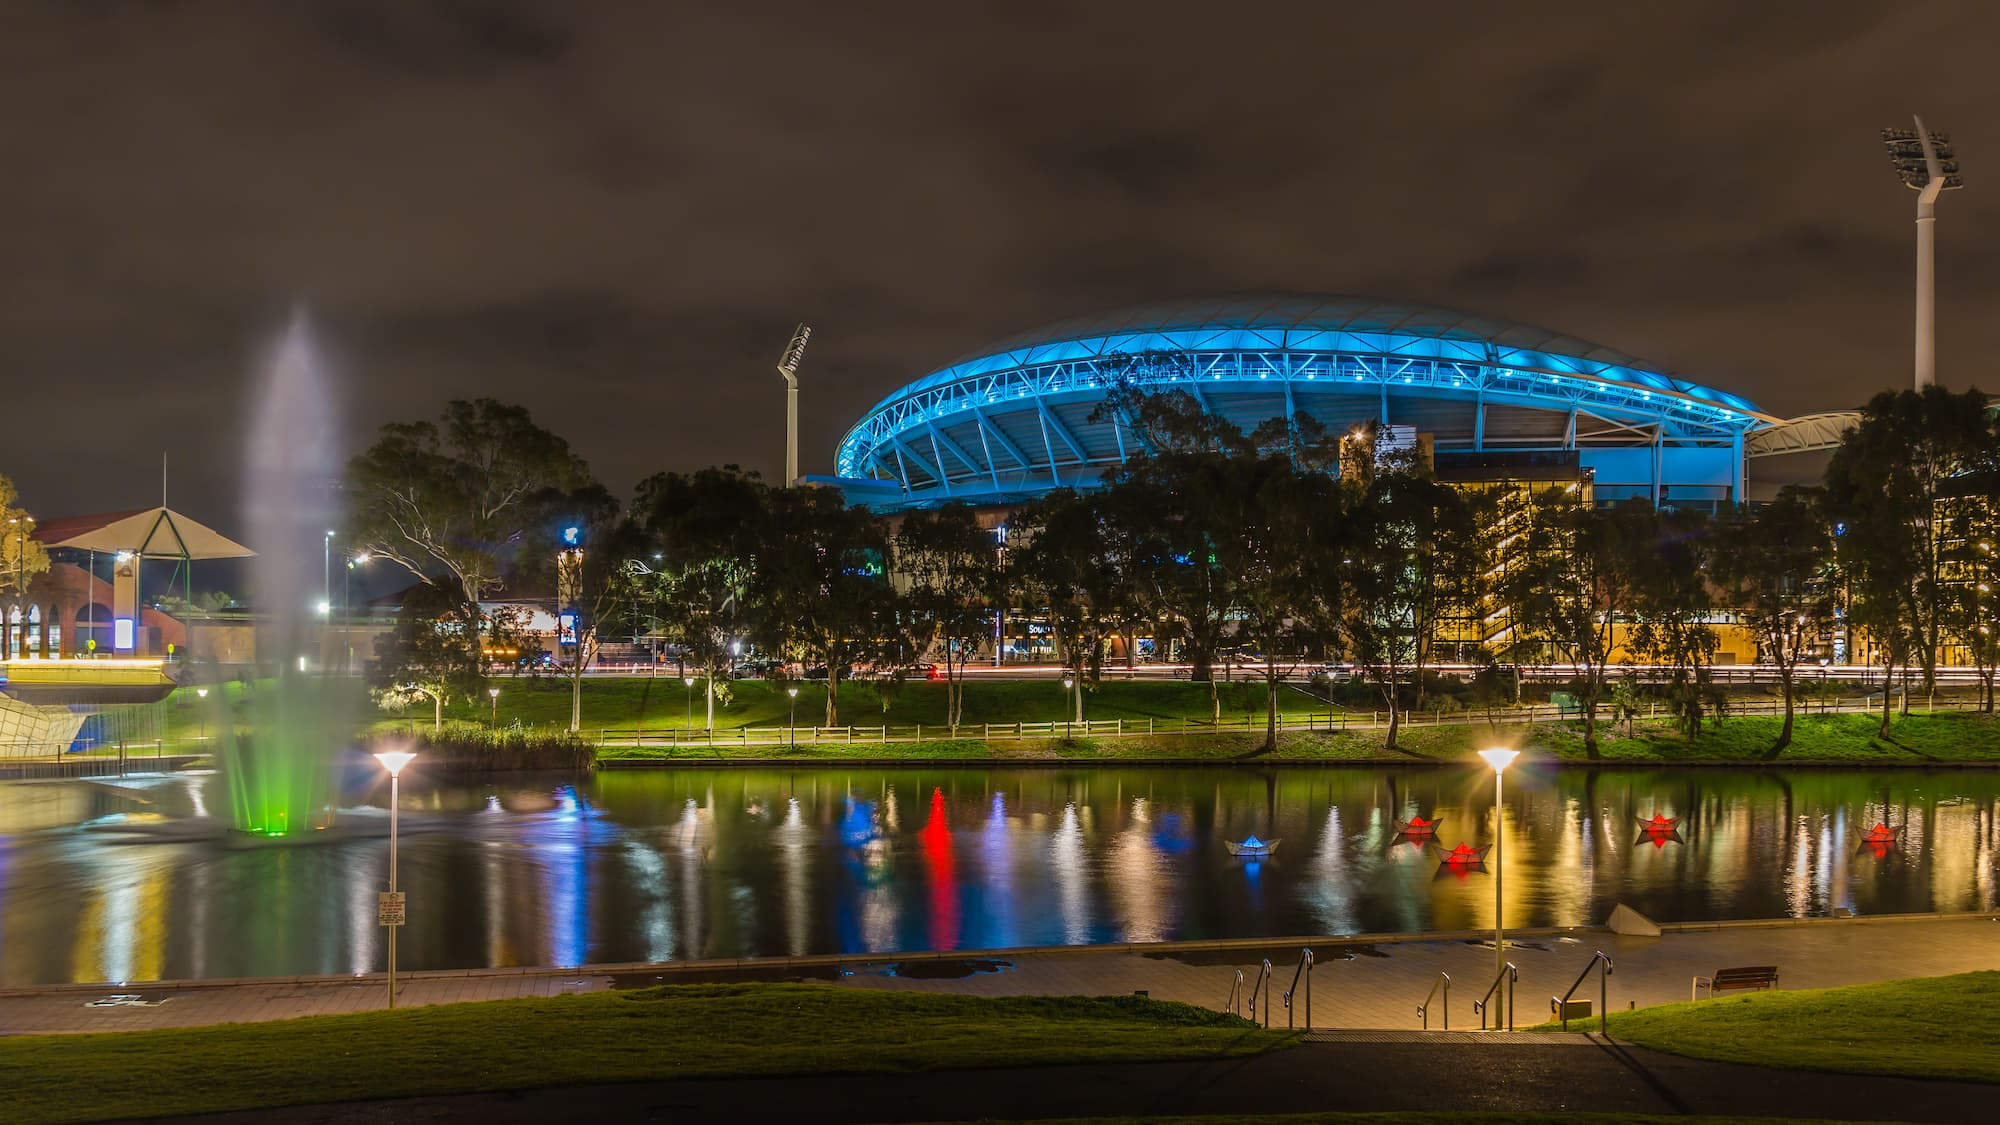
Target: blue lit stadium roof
(991, 413)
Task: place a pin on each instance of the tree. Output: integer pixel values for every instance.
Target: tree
(952, 566)
(819, 587)
(1885, 489)
(1972, 569)
(1068, 568)
(1410, 561)
(702, 532)
(1572, 580)
(457, 500)
(1774, 566)
(425, 652)
(22, 557)
(1670, 601)
(597, 579)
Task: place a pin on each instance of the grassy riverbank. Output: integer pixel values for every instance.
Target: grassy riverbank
(675, 1032)
(624, 711)
(1933, 1027)
(1919, 739)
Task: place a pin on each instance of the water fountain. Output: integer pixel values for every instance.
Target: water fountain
(281, 775)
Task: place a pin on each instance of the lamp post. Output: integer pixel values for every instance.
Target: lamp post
(1499, 759)
(493, 693)
(688, 723)
(326, 564)
(201, 694)
(393, 761)
(1068, 683)
(347, 604)
(792, 729)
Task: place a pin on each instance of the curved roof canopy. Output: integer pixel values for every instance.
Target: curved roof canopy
(1316, 352)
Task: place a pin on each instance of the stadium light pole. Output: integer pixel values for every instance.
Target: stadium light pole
(788, 366)
(1926, 163)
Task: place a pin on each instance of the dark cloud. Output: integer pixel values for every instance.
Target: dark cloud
(615, 212)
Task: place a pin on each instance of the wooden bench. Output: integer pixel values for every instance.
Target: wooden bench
(1755, 977)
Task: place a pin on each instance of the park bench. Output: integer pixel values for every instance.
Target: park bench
(1757, 977)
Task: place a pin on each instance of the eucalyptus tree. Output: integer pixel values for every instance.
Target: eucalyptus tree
(1067, 567)
(1774, 566)
(458, 501)
(952, 565)
(1571, 580)
(820, 585)
(1672, 609)
(1887, 488)
(701, 534)
(1410, 560)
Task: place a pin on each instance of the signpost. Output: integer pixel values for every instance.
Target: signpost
(389, 908)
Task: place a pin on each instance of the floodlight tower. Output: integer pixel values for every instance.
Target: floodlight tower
(1926, 163)
(788, 366)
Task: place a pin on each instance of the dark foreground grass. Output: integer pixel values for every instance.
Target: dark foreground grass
(1433, 1119)
(1932, 1027)
(1413, 1118)
(681, 1031)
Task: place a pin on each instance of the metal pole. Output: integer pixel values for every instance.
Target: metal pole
(1499, 944)
(1927, 284)
(791, 433)
(395, 793)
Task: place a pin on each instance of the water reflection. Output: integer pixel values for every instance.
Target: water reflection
(657, 866)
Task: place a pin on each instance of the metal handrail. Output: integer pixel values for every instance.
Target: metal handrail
(1305, 967)
(1424, 1009)
(1262, 988)
(1560, 1007)
(1511, 975)
(1234, 1004)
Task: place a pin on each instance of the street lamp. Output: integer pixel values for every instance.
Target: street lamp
(201, 693)
(1068, 683)
(1499, 759)
(393, 761)
(793, 729)
(493, 693)
(362, 558)
(1925, 162)
(326, 563)
(688, 723)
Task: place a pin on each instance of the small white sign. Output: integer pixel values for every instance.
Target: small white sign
(389, 908)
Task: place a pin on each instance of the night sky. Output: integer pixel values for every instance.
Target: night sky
(614, 213)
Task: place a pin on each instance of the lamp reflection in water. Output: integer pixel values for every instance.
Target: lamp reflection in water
(1499, 759)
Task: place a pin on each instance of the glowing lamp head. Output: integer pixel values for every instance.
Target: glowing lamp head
(792, 691)
(395, 760)
(493, 692)
(201, 693)
(1068, 683)
(688, 680)
(1499, 758)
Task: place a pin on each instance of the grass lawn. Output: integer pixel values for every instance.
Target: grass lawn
(1931, 1027)
(678, 1031)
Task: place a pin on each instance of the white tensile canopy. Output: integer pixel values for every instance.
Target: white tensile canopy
(154, 533)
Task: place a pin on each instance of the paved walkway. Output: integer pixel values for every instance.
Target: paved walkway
(1358, 983)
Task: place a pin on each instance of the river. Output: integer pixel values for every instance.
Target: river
(119, 880)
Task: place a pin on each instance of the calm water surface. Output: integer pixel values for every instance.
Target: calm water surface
(646, 866)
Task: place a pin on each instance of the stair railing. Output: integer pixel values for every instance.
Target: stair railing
(1561, 1005)
(1503, 984)
(1424, 1009)
(1305, 969)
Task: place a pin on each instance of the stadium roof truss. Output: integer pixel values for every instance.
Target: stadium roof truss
(1022, 417)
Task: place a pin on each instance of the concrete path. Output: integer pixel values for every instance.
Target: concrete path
(1359, 983)
(1561, 1077)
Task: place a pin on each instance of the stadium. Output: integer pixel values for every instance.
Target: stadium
(1490, 398)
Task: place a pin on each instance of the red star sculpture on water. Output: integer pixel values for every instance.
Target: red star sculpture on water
(1660, 831)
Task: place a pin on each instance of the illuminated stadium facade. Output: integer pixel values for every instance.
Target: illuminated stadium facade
(1022, 417)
